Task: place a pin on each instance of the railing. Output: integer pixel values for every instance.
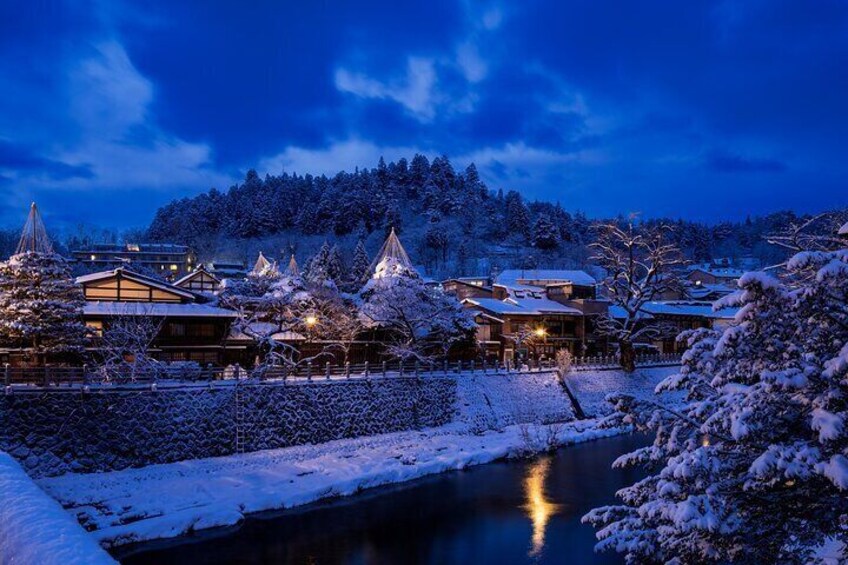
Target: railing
(85, 376)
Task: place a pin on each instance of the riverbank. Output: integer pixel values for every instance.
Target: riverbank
(161, 501)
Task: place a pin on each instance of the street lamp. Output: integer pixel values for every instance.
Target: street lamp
(311, 321)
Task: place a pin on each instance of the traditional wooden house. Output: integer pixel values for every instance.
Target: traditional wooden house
(673, 317)
(468, 287)
(708, 275)
(199, 280)
(535, 313)
(189, 329)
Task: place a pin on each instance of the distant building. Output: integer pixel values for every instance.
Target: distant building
(708, 275)
(227, 270)
(168, 259)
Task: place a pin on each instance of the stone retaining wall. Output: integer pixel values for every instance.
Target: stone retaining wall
(54, 432)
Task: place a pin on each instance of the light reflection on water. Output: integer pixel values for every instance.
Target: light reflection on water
(539, 508)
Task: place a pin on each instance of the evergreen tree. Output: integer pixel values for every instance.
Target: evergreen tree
(359, 266)
(318, 269)
(517, 216)
(41, 305)
(335, 266)
(545, 233)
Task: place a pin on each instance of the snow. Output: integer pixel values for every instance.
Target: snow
(680, 308)
(34, 529)
(97, 308)
(528, 306)
(131, 275)
(592, 387)
(169, 500)
(539, 277)
(489, 402)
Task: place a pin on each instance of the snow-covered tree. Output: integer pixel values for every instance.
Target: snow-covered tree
(753, 468)
(545, 234)
(319, 269)
(41, 305)
(419, 322)
(358, 271)
(517, 216)
(640, 263)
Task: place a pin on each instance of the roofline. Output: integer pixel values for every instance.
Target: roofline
(136, 276)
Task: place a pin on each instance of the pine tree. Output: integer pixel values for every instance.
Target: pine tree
(335, 266)
(545, 233)
(318, 269)
(41, 305)
(359, 266)
(752, 467)
(517, 216)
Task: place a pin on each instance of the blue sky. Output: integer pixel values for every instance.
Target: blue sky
(702, 110)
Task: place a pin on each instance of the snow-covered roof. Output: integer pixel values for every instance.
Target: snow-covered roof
(518, 278)
(159, 309)
(200, 270)
(701, 290)
(522, 306)
(843, 230)
(132, 275)
(719, 272)
(679, 308)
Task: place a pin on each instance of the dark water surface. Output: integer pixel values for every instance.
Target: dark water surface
(508, 512)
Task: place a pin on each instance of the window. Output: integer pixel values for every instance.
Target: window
(176, 329)
(201, 330)
(94, 257)
(96, 327)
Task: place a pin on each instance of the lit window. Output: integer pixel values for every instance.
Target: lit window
(94, 257)
(174, 267)
(132, 247)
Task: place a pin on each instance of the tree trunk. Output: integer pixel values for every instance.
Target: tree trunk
(627, 356)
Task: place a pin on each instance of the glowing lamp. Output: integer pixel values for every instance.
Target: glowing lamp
(540, 332)
(311, 321)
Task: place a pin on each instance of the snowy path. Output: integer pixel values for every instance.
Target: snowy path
(168, 500)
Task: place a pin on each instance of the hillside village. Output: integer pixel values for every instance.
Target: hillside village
(184, 311)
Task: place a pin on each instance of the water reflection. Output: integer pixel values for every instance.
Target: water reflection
(539, 508)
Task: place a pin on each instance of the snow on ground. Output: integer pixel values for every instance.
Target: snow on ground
(592, 387)
(490, 402)
(33, 527)
(168, 500)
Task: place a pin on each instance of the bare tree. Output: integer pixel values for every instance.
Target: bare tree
(125, 343)
(818, 233)
(641, 264)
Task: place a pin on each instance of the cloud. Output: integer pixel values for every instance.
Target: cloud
(335, 157)
(118, 144)
(416, 91)
(731, 163)
(492, 19)
(473, 67)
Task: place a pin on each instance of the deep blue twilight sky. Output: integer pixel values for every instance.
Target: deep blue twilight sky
(696, 109)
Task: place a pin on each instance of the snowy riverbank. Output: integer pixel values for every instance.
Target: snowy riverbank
(173, 499)
(35, 529)
(497, 417)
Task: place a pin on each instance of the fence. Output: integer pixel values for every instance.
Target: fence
(86, 376)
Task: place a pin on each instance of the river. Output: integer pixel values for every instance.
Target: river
(507, 512)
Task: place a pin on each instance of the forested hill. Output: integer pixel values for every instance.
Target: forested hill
(450, 221)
